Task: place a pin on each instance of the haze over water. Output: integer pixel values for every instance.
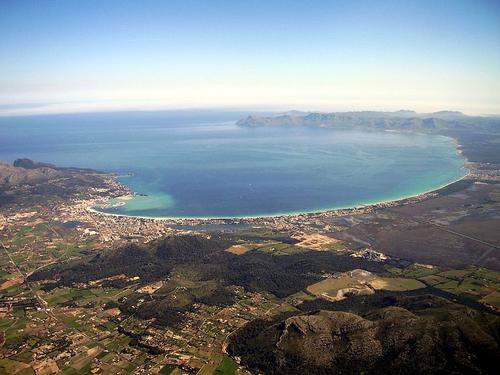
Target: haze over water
(200, 164)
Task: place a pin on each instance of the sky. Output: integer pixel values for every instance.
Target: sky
(72, 56)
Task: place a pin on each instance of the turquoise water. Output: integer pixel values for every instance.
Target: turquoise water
(202, 165)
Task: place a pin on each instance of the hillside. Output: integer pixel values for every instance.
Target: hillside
(23, 172)
(29, 182)
(442, 338)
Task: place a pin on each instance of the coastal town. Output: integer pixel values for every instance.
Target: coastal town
(111, 228)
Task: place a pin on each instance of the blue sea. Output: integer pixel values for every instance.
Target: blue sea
(200, 164)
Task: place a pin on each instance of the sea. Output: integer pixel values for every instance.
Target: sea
(200, 164)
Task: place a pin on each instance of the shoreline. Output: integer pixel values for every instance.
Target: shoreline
(331, 210)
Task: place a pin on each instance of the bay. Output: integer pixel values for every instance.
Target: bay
(200, 164)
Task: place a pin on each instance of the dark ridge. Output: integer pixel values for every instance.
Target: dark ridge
(397, 334)
(30, 164)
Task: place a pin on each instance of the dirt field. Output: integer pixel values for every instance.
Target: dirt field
(335, 288)
(12, 282)
(360, 282)
(396, 284)
(112, 312)
(315, 241)
(238, 249)
(47, 367)
(151, 288)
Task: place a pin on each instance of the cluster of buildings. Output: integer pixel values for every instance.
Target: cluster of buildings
(483, 171)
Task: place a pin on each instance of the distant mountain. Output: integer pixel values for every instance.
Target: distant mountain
(373, 120)
(402, 119)
(436, 122)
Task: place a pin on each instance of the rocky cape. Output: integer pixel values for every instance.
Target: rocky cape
(27, 183)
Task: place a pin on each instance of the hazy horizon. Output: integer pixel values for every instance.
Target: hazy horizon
(72, 56)
(43, 111)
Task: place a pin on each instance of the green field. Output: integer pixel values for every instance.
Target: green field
(477, 283)
(167, 369)
(333, 285)
(492, 299)
(364, 282)
(227, 367)
(280, 249)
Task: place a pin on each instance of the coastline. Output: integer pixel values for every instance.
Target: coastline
(332, 210)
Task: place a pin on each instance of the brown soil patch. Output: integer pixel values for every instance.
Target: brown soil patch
(46, 367)
(379, 284)
(238, 249)
(397, 284)
(112, 312)
(151, 288)
(12, 282)
(314, 241)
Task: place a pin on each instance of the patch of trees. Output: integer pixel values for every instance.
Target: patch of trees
(285, 275)
(280, 275)
(182, 249)
(130, 260)
(207, 264)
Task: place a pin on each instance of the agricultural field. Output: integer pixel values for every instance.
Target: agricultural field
(360, 282)
(80, 330)
(239, 249)
(279, 249)
(306, 243)
(42, 244)
(395, 284)
(477, 283)
(318, 242)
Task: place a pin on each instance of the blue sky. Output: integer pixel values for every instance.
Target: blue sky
(64, 56)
